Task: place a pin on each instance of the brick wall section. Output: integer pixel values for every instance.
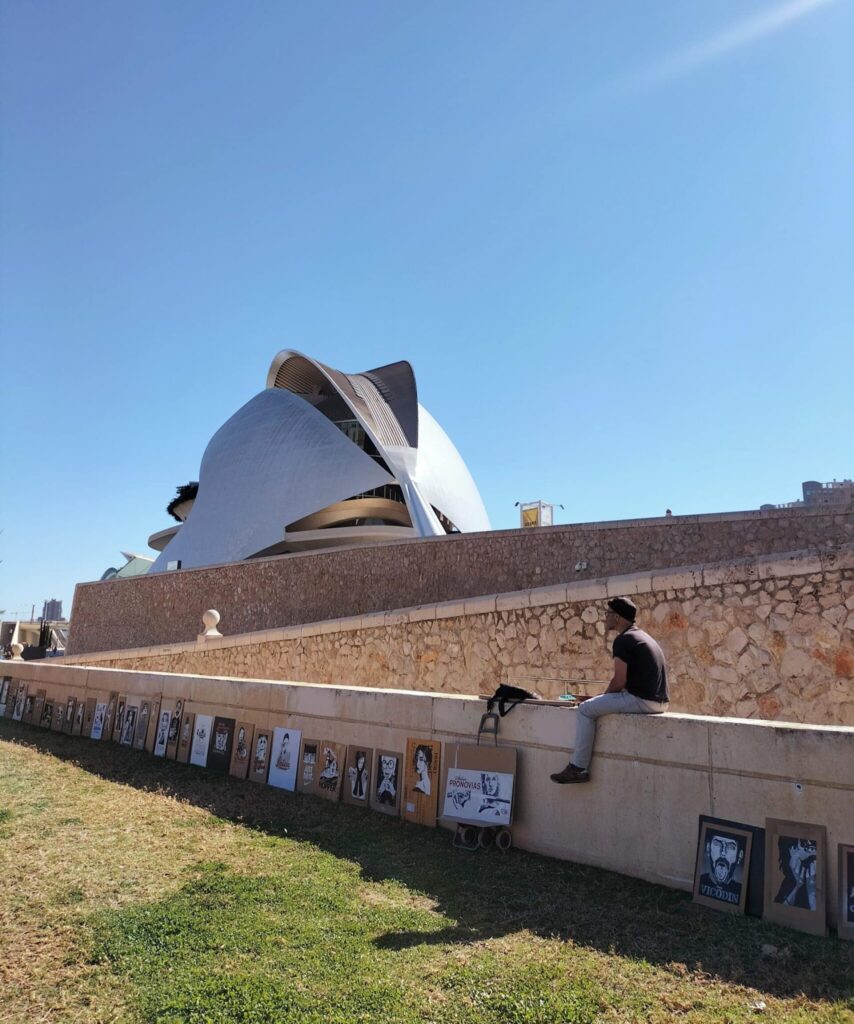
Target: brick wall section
(275, 592)
(769, 638)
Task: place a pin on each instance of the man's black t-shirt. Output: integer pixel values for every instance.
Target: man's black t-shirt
(647, 673)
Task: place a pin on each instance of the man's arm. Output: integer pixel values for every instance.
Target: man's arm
(618, 682)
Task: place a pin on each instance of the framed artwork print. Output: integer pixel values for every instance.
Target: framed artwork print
(4, 694)
(284, 758)
(260, 763)
(70, 711)
(129, 726)
(33, 707)
(79, 717)
(185, 738)
(46, 718)
(331, 757)
(795, 872)
(421, 781)
(142, 725)
(309, 766)
(201, 740)
(356, 786)
(20, 702)
(222, 740)
(115, 717)
(845, 881)
(96, 730)
(385, 791)
(153, 725)
(722, 867)
(162, 734)
(242, 750)
(58, 721)
(174, 735)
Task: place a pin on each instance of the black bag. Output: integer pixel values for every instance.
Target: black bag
(507, 697)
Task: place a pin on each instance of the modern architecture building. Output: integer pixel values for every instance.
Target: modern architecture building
(52, 610)
(319, 459)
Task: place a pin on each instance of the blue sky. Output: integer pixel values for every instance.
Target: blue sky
(613, 239)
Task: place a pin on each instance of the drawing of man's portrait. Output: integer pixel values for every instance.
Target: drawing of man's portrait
(723, 859)
(795, 859)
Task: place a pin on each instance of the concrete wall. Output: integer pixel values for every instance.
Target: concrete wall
(769, 638)
(652, 776)
(319, 586)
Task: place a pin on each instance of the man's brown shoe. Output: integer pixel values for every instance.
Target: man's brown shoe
(572, 773)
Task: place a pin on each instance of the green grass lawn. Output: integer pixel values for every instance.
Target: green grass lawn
(142, 890)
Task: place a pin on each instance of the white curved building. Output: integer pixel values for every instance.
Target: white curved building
(322, 459)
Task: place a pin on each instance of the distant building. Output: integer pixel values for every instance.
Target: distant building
(52, 610)
(819, 495)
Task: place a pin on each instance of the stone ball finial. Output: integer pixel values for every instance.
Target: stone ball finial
(16, 652)
(210, 619)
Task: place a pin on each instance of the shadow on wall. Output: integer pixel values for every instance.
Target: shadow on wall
(488, 894)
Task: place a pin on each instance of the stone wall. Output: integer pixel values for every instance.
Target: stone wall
(768, 638)
(315, 587)
(675, 767)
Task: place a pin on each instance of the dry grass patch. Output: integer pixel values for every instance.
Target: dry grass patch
(145, 890)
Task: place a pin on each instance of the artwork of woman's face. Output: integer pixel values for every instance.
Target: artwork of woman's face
(261, 748)
(360, 761)
(241, 736)
(388, 766)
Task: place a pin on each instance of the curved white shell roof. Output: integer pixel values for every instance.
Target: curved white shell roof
(279, 459)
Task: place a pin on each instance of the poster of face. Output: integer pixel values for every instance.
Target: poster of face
(20, 702)
(480, 797)
(201, 740)
(110, 718)
(162, 732)
(119, 724)
(4, 694)
(174, 737)
(845, 925)
(79, 718)
(97, 728)
(260, 763)
(283, 761)
(70, 711)
(722, 867)
(795, 856)
(141, 725)
(420, 783)
(356, 787)
(309, 767)
(385, 795)
(241, 751)
(331, 757)
(58, 720)
(128, 729)
(33, 706)
(185, 737)
(153, 725)
(46, 720)
(222, 739)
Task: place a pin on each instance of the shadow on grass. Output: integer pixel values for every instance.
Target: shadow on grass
(490, 894)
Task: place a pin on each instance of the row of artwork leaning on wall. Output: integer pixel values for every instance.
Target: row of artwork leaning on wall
(384, 780)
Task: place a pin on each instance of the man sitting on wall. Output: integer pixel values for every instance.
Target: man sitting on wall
(639, 686)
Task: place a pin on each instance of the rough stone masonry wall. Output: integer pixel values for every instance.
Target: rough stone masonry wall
(314, 587)
(766, 638)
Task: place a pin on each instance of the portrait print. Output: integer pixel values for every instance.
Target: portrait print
(57, 722)
(285, 753)
(309, 767)
(142, 725)
(20, 702)
(357, 777)
(722, 867)
(795, 859)
(222, 739)
(126, 738)
(97, 728)
(162, 737)
(115, 715)
(242, 750)
(79, 718)
(420, 787)
(845, 881)
(202, 728)
(174, 735)
(385, 795)
(4, 694)
(46, 720)
(70, 711)
(260, 763)
(33, 706)
(331, 758)
(480, 796)
(185, 737)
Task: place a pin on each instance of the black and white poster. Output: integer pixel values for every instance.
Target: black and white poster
(479, 797)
